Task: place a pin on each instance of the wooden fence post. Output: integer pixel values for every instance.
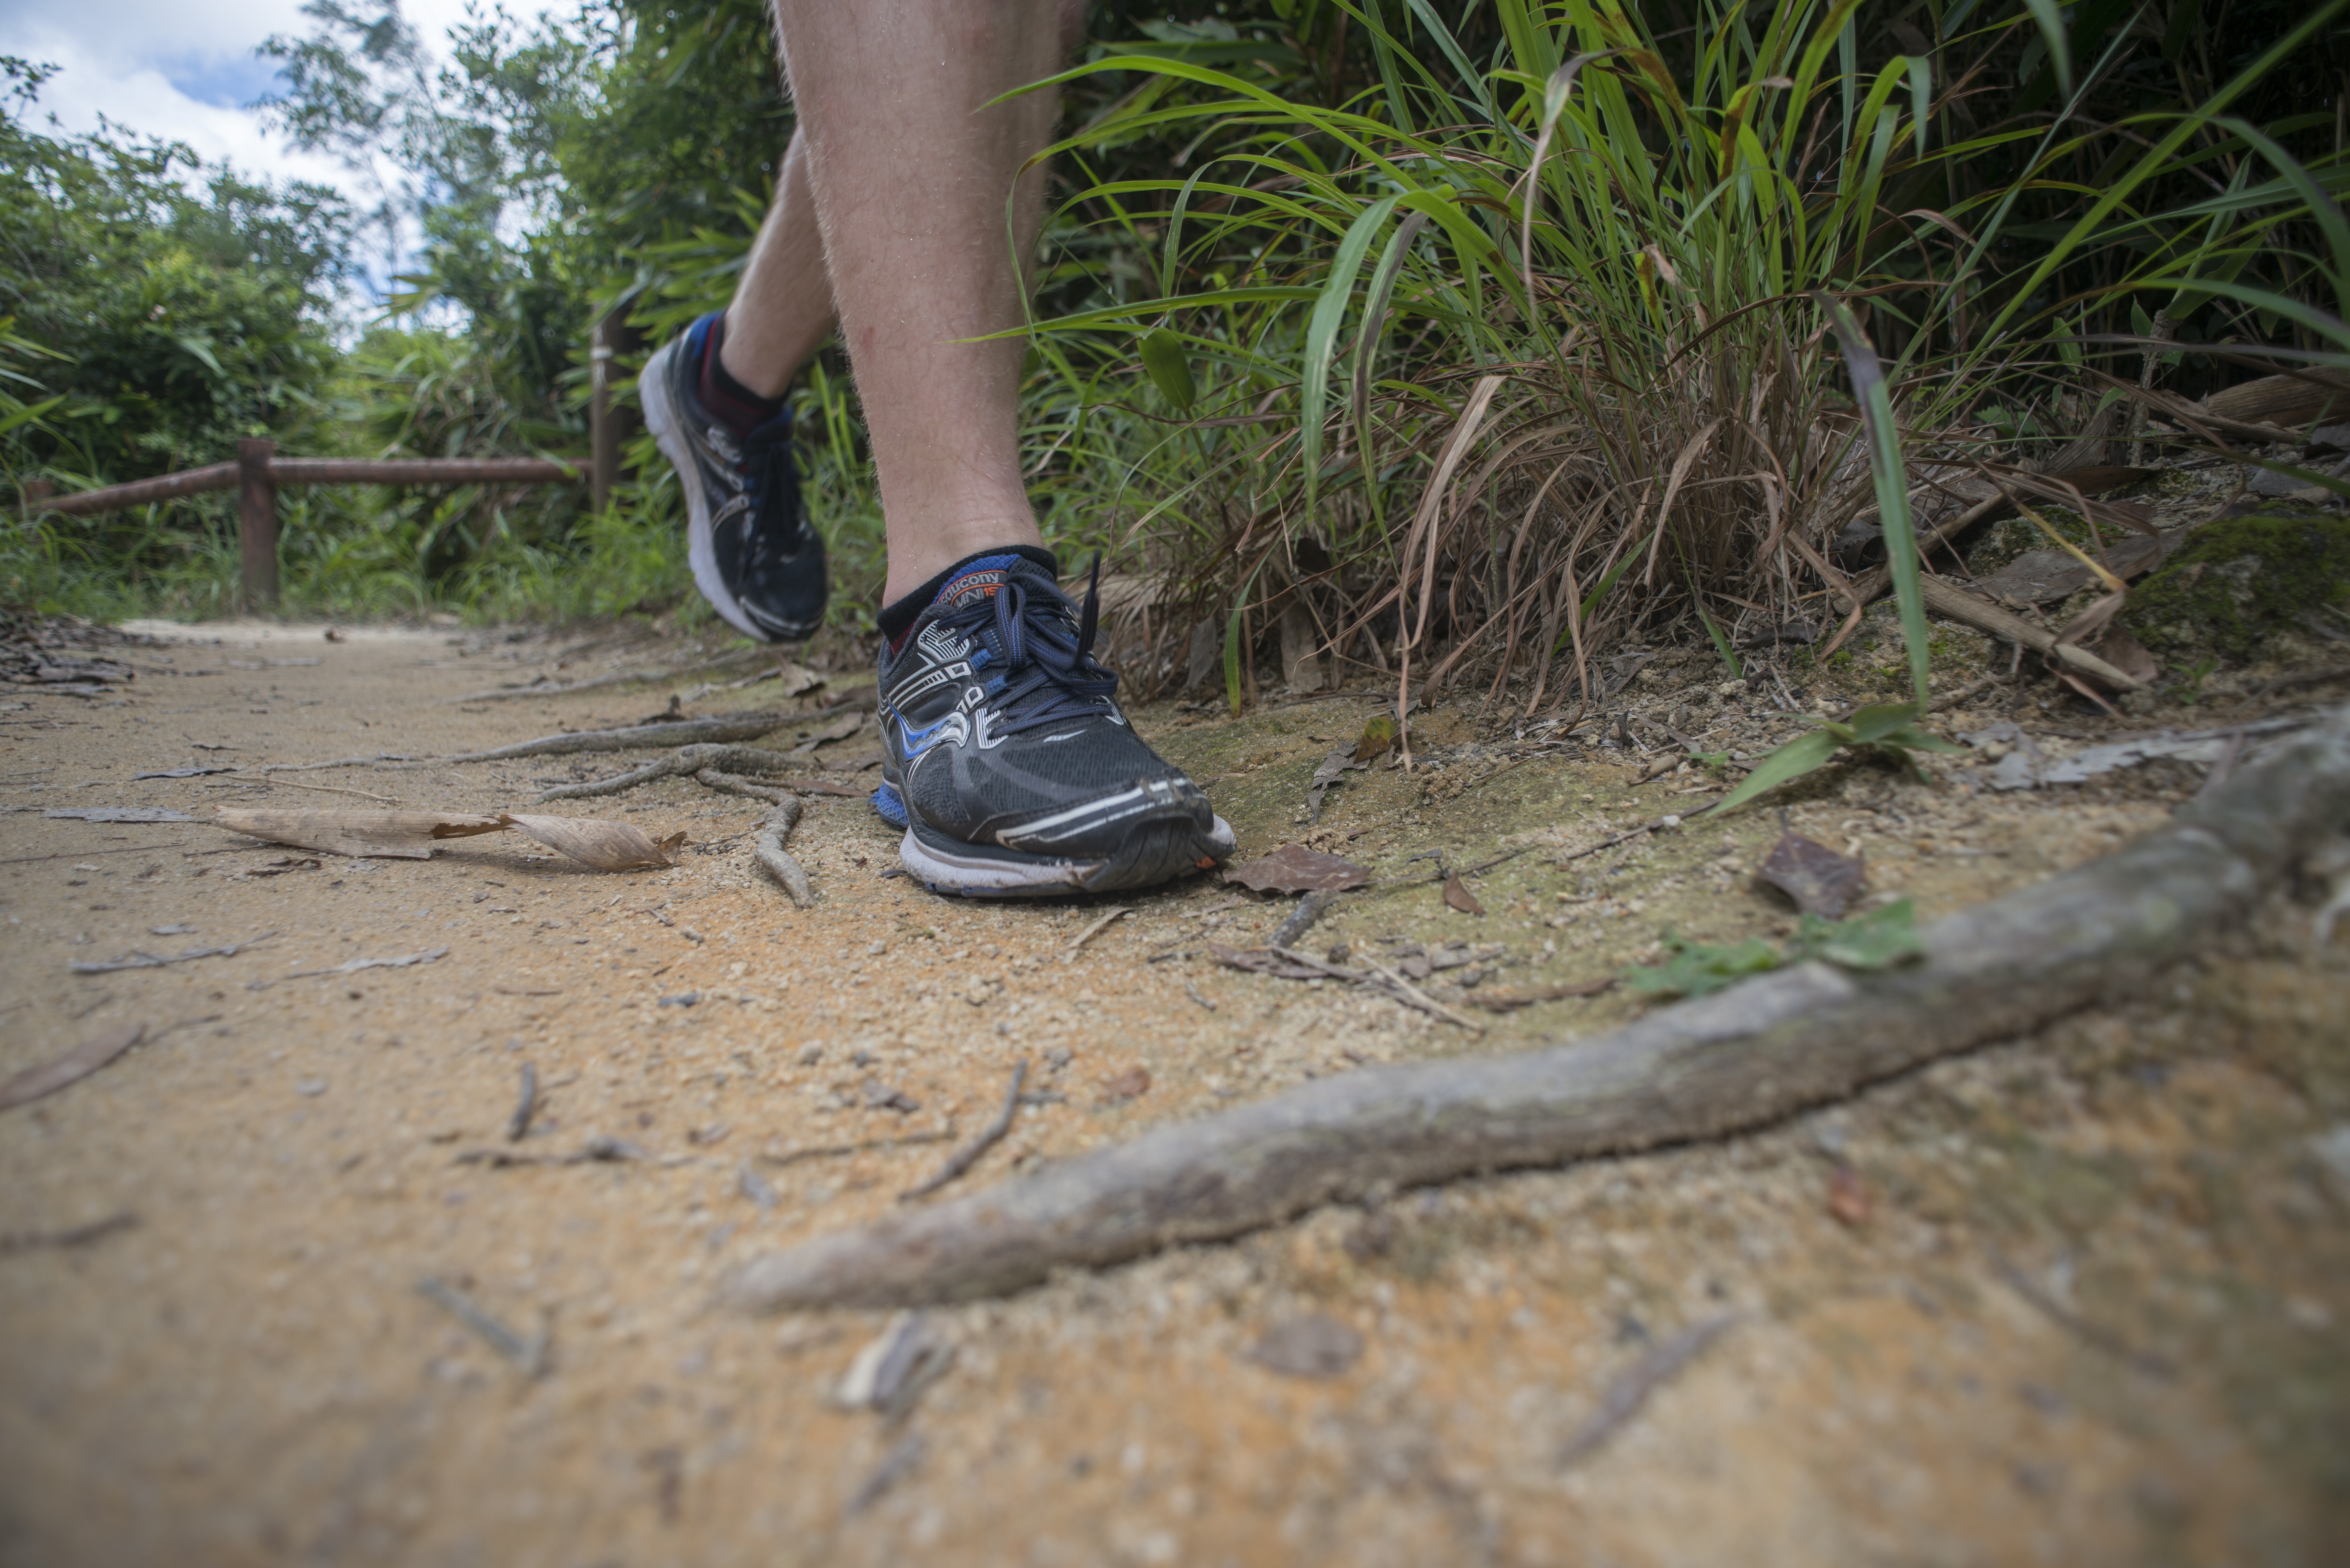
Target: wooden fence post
(603, 421)
(257, 514)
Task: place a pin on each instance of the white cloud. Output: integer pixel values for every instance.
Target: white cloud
(184, 69)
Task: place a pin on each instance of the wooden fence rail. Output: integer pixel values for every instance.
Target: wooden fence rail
(257, 473)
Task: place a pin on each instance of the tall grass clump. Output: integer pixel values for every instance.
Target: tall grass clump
(1526, 344)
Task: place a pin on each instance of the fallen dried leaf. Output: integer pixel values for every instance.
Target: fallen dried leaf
(797, 677)
(1293, 868)
(1378, 738)
(1458, 896)
(80, 1062)
(1126, 1086)
(396, 835)
(1330, 772)
(838, 729)
(1820, 881)
(592, 841)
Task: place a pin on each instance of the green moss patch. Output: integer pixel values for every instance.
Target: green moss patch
(2239, 582)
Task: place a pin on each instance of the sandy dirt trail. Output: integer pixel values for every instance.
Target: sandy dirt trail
(2078, 1299)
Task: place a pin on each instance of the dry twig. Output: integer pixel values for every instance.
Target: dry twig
(963, 1158)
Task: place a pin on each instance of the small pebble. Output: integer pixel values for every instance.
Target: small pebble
(311, 1087)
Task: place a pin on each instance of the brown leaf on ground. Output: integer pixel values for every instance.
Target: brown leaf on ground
(1293, 868)
(80, 1062)
(838, 729)
(1820, 881)
(1458, 896)
(798, 678)
(1847, 1198)
(1126, 1086)
(396, 835)
(592, 841)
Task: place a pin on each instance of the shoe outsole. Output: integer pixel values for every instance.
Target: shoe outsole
(1155, 852)
(663, 417)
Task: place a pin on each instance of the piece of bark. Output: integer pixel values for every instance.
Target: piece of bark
(77, 1064)
(1747, 1056)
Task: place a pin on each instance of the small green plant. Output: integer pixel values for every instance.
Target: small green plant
(1879, 939)
(2189, 690)
(1888, 726)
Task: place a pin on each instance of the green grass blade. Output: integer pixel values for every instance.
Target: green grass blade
(1806, 753)
(1722, 644)
(1892, 479)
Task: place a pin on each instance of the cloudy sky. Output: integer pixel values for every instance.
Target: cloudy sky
(181, 69)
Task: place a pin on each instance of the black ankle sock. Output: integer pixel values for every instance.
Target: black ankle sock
(744, 409)
(897, 617)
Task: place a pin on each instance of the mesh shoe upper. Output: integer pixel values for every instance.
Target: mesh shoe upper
(1001, 729)
(756, 555)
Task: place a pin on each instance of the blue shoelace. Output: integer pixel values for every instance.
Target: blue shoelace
(1048, 674)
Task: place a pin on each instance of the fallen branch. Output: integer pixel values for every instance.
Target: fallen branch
(1744, 1058)
(1953, 602)
(966, 1157)
(636, 737)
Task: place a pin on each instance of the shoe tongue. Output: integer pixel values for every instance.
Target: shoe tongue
(977, 580)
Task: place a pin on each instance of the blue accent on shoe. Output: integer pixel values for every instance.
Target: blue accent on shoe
(891, 806)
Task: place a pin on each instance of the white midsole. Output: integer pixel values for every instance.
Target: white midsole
(701, 546)
(940, 870)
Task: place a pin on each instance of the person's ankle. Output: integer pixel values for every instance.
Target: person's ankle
(899, 611)
(739, 407)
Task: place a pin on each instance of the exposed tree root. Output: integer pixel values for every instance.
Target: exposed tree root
(727, 763)
(1741, 1058)
(771, 853)
(681, 732)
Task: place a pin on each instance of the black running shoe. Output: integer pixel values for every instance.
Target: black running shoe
(1005, 758)
(755, 556)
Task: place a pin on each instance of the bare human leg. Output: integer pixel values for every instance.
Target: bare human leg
(782, 310)
(911, 166)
